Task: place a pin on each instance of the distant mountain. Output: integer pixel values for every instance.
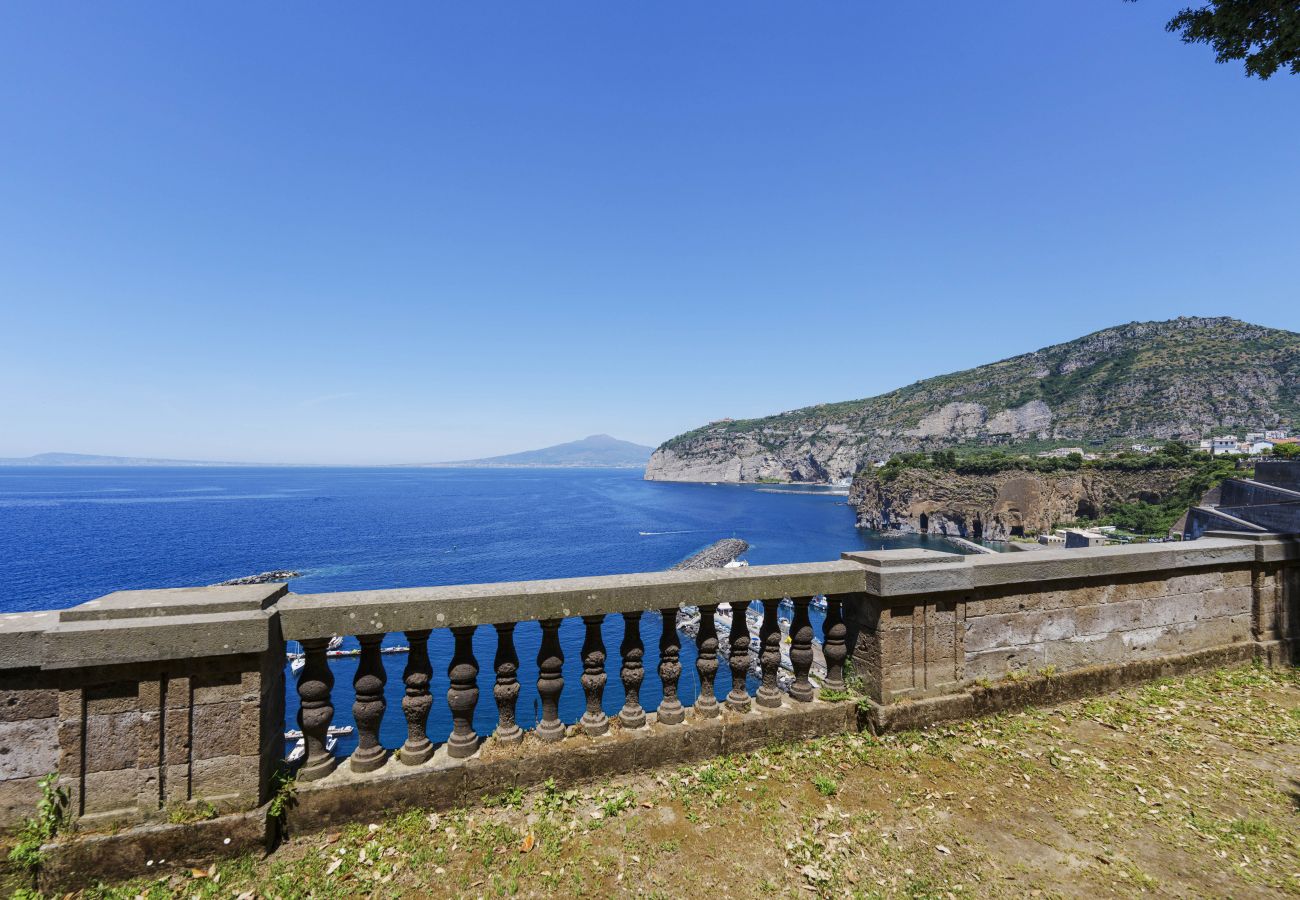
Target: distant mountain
(599, 450)
(87, 459)
(1156, 380)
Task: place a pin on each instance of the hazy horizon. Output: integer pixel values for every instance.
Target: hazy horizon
(445, 233)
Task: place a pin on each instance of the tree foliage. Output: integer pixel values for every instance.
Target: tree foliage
(1265, 33)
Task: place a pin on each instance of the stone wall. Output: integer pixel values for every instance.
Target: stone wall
(937, 624)
(145, 700)
(133, 739)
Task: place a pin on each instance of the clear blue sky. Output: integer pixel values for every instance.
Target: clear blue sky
(357, 233)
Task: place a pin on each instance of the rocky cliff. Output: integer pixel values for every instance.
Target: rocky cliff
(1143, 380)
(1002, 505)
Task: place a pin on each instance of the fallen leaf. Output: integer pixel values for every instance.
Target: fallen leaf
(198, 873)
(333, 867)
(942, 849)
(530, 840)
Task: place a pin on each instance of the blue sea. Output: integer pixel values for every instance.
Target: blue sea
(68, 535)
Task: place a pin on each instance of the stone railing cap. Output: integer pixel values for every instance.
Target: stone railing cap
(22, 636)
(182, 601)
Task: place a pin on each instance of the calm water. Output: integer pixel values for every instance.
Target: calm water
(69, 535)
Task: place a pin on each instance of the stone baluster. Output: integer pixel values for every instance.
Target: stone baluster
(738, 642)
(418, 701)
(670, 669)
(315, 711)
(801, 653)
(834, 647)
(368, 708)
(506, 689)
(632, 715)
(462, 695)
(594, 720)
(769, 659)
(550, 681)
(706, 662)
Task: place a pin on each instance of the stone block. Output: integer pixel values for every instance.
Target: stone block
(176, 735)
(18, 797)
(150, 738)
(1121, 615)
(225, 777)
(219, 688)
(1165, 611)
(112, 741)
(1193, 583)
(216, 730)
(1230, 601)
(113, 791)
(17, 704)
(176, 783)
(1017, 629)
(178, 693)
(108, 699)
(995, 664)
(1090, 650)
(29, 748)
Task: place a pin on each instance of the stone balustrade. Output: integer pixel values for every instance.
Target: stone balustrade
(145, 701)
(313, 620)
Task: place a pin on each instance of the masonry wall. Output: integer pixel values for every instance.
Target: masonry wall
(1104, 624)
(914, 643)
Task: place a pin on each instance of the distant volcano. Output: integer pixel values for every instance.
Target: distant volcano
(599, 450)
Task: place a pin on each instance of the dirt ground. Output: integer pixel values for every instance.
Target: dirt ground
(1187, 787)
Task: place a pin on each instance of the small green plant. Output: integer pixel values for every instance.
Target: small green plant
(615, 804)
(1048, 671)
(51, 813)
(831, 695)
(825, 785)
(283, 788)
(184, 813)
(553, 799)
(511, 799)
(1018, 675)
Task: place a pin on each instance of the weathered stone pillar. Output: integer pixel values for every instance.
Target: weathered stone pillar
(550, 681)
(801, 652)
(418, 701)
(632, 715)
(670, 669)
(594, 720)
(462, 695)
(506, 689)
(738, 641)
(833, 647)
(315, 710)
(369, 705)
(706, 661)
(769, 660)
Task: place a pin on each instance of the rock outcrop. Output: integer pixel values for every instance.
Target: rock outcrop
(1147, 380)
(1003, 505)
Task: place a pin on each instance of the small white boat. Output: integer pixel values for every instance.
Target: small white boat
(300, 749)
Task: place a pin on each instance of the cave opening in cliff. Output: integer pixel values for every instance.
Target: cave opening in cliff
(1085, 510)
(1017, 531)
(924, 523)
(977, 531)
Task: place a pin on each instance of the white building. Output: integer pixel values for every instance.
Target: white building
(1226, 444)
(1275, 434)
(1260, 446)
